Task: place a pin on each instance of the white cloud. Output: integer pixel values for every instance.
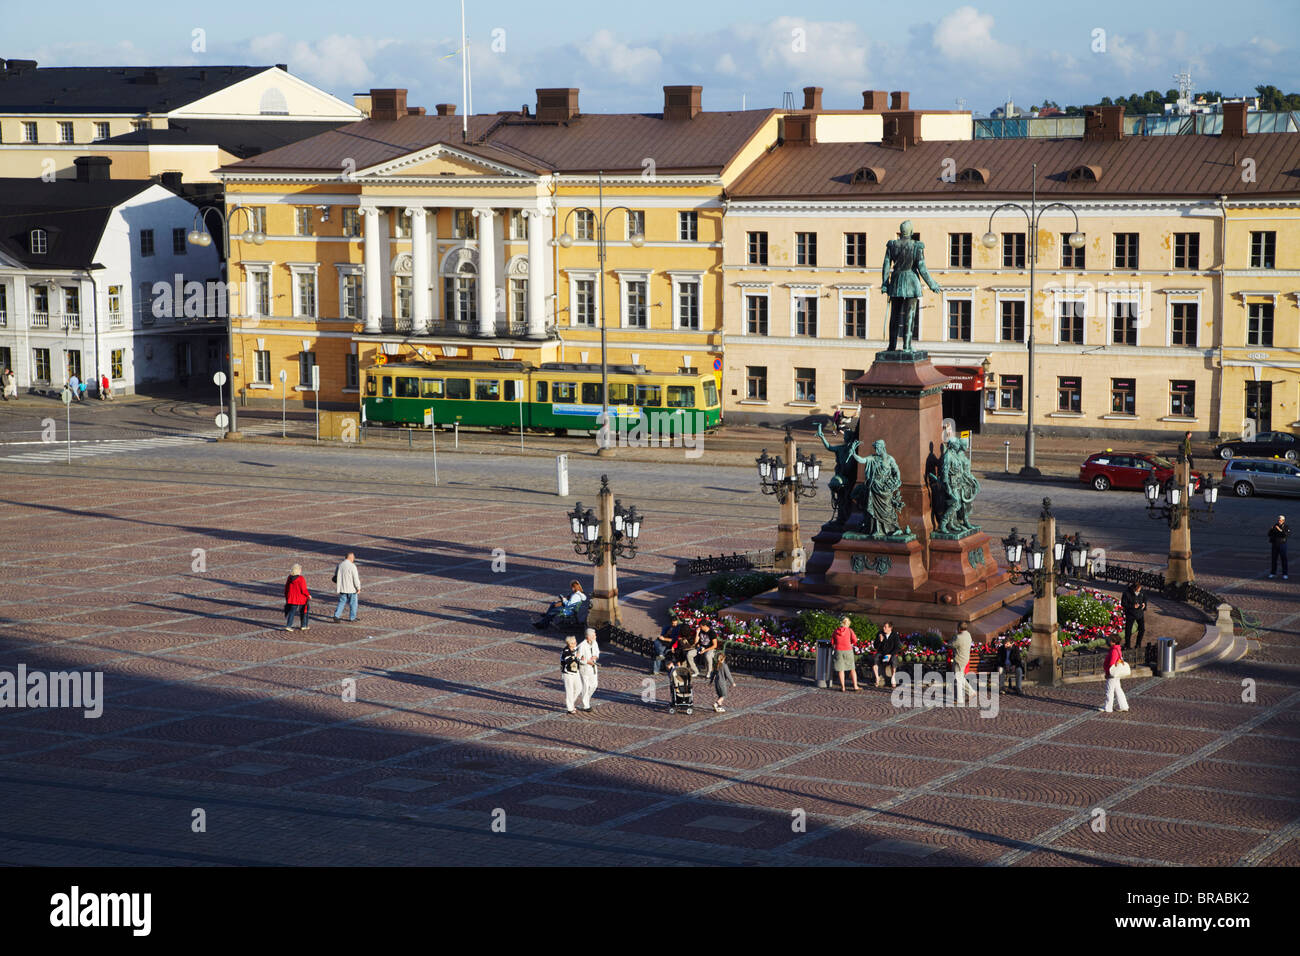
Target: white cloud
(627, 64)
(967, 35)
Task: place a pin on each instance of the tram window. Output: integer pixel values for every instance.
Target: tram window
(591, 393)
(564, 391)
(647, 395)
(710, 393)
(541, 391)
(513, 389)
(371, 386)
(620, 393)
(681, 396)
(388, 386)
(458, 388)
(431, 388)
(487, 389)
(408, 387)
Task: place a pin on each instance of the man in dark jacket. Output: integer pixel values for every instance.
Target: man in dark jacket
(1277, 536)
(666, 640)
(1134, 604)
(1011, 667)
(887, 648)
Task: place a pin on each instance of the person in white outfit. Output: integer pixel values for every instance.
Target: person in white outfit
(588, 658)
(1114, 692)
(569, 671)
(961, 647)
(347, 584)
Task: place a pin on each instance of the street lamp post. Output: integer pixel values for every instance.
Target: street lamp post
(790, 479)
(1177, 511)
(200, 236)
(1032, 215)
(600, 216)
(604, 537)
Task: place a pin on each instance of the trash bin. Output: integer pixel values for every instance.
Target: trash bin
(1166, 657)
(823, 669)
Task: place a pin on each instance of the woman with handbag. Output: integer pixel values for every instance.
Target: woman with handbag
(1116, 668)
(297, 598)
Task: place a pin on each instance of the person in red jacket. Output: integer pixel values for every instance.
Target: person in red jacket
(1113, 689)
(842, 658)
(296, 598)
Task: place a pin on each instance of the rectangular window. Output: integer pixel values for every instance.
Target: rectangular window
(72, 307)
(4, 314)
(519, 301)
(851, 375)
(1259, 323)
(6, 358)
(408, 386)
(487, 389)
(351, 223)
(855, 318)
(805, 248)
(756, 314)
(959, 320)
(117, 364)
(431, 388)
(584, 309)
(351, 304)
(1182, 398)
(1068, 395)
(805, 315)
(1123, 396)
(805, 385)
(638, 312)
(260, 280)
(1072, 258)
(458, 388)
(1123, 322)
(40, 307)
(305, 362)
(101, 132)
(262, 367)
(115, 307)
(518, 224)
(1011, 392)
(1126, 250)
(306, 282)
(351, 371)
(41, 365)
(757, 246)
(403, 298)
(1013, 320)
(74, 363)
(621, 393)
(513, 390)
(178, 242)
(756, 382)
(463, 225)
(564, 392)
(302, 221)
(688, 226)
(256, 218)
(959, 250)
(1184, 318)
(681, 396)
(855, 250)
(688, 305)
(1187, 250)
(648, 395)
(584, 224)
(1263, 248)
(1013, 250)
(29, 135)
(635, 223)
(65, 133)
(1071, 313)
(146, 242)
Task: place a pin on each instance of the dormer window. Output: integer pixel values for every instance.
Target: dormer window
(868, 174)
(1085, 174)
(974, 174)
(38, 242)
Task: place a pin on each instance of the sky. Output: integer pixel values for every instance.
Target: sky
(620, 55)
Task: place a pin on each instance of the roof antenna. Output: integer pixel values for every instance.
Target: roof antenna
(788, 102)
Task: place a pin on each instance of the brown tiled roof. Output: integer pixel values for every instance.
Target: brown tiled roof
(1136, 166)
(619, 142)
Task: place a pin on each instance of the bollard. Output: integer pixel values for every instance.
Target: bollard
(562, 475)
(823, 668)
(1166, 657)
(1007, 467)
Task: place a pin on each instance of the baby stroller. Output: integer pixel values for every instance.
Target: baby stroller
(680, 696)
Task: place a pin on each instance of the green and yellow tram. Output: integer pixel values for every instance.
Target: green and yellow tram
(559, 396)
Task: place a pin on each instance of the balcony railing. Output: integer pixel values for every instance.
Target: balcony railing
(504, 328)
(40, 320)
(71, 322)
(115, 320)
(4, 320)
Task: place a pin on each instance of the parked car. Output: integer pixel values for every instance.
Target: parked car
(1127, 470)
(1247, 477)
(1265, 445)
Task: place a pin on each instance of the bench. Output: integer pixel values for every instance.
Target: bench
(575, 622)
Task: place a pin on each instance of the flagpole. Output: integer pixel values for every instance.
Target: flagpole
(464, 77)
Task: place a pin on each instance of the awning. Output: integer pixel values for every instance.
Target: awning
(965, 378)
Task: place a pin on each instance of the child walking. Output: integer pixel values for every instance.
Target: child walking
(722, 680)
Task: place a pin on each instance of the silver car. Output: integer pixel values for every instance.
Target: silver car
(1246, 477)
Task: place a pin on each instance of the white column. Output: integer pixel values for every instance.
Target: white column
(419, 272)
(374, 269)
(487, 273)
(435, 298)
(536, 275)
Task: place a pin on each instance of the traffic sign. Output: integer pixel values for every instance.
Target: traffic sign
(283, 376)
(66, 395)
(222, 419)
(717, 365)
(315, 378)
(219, 379)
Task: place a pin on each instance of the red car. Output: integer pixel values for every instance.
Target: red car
(1127, 470)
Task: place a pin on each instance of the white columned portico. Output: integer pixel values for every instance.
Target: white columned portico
(374, 269)
(436, 318)
(487, 273)
(419, 271)
(536, 274)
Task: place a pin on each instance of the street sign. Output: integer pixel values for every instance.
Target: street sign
(66, 395)
(428, 416)
(219, 379)
(717, 365)
(283, 376)
(315, 378)
(222, 419)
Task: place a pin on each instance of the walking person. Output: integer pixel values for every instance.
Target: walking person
(588, 660)
(1116, 668)
(1277, 536)
(1134, 604)
(105, 388)
(722, 681)
(961, 644)
(569, 672)
(74, 386)
(887, 648)
(81, 391)
(842, 658)
(347, 584)
(297, 599)
(10, 384)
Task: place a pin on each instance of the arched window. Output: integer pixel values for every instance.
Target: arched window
(38, 242)
(273, 103)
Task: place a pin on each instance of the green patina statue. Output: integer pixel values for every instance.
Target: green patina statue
(960, 488)
(900, 279)
(880, 494)
(841, 483)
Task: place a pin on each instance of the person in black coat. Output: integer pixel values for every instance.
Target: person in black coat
(1134, 604)
(1277, 536)
(887, 647)
(1011, 667)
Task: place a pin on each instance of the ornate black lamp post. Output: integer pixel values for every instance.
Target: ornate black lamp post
(1177, 510)
(603, 537)
(790, 478)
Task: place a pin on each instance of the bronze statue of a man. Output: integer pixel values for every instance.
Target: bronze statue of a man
(880, 493)
(846, 471)
(900, 279)
(960, 488)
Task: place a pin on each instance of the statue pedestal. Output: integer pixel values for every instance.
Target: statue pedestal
(867, 565)
(962, 562)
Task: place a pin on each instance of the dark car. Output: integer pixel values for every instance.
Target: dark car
(1265, 445)
(1127, 470)
(1272, 477)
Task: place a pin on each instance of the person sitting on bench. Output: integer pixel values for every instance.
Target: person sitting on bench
(563, 607)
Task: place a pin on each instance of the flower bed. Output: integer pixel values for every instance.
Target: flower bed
(1087, 619)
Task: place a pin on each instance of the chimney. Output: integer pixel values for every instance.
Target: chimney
(875, 101)
(1104, 123)
(902, 127)
(415, 111)
(557, 105)
(812, 97)
(92, 169)
(446, 109)
(362, 102)
(898, 100)
(19, 66)
(797, 129)
(387, 106)
(282, 66)
(1234, 120)
(171, 180)
(681, 102)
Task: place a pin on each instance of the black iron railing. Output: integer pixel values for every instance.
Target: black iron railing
(739, 656)
(748, 561)
(1153, 581)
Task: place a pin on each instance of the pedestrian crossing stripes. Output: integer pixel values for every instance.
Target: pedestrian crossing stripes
(58, 451)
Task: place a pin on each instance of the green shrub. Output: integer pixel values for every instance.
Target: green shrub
(820, 625)
(1081, 611)
(865, 628)
(739, 585)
